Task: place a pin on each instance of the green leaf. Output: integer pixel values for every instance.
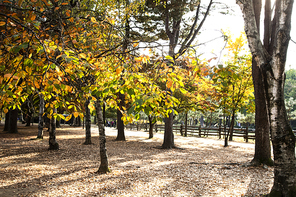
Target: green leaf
(28, 62)
(131, 91)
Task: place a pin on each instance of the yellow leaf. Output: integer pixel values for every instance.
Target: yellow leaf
(82, 55)
(76, 114)
(118, 71)
(68, 117)
(5, 110)
(93, 19)
(169, 84)
(2, 23)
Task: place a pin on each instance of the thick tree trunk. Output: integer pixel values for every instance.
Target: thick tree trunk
(87, 123)
(168, 141)
(53, 145)
(12, 128)
(41, 118)
(283, 141)
(262, 138)
(104, 168)
(120, 125)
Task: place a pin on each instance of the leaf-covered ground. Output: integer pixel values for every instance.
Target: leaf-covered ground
(202, 167)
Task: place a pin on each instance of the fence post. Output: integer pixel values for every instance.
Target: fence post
(247, 133)
(199, 133)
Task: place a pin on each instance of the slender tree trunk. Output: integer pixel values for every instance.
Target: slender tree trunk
(186, 123)
(53, 145)
(120, 125)
(104, 113)
(6, 124)
(104, 168)
(231, 125)
(41, 118)
(87, 123)
(28, 119)
(151, 126)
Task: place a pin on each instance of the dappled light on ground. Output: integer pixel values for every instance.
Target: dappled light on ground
(201, 167)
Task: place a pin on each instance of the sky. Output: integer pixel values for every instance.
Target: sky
(234, 22)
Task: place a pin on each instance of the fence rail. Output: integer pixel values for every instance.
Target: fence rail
(198, 131)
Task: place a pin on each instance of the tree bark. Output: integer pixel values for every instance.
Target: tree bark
(12, 126)
(104, 168)
(168, 141)
(120, 125)
(41, 118)
(231, 125)
(262, 140)
(151, 126)
(53, 145)
(272, 67)
(186, 123)
(28, 119)
(6, 124)
(87, 123)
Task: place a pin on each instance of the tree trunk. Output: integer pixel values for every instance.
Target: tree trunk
(41, 118)
(120, 125)
(231, 125)
(53, 145)
(28, 119)
(6, 124)
(151, 126)
(186, 123)
(104, 168)
(12, 126)
(272, 66)
(104, 113)
(168, 141)
(87, 123)
(262, 140)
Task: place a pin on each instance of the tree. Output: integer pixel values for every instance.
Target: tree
(104, 168)
(262, 136)
(272, 66)
(170, 14)
(234, 80)
(87, 122)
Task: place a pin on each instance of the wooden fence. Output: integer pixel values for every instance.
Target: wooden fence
(198, 131)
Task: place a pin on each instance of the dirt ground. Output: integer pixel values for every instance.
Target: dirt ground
(202, 167)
